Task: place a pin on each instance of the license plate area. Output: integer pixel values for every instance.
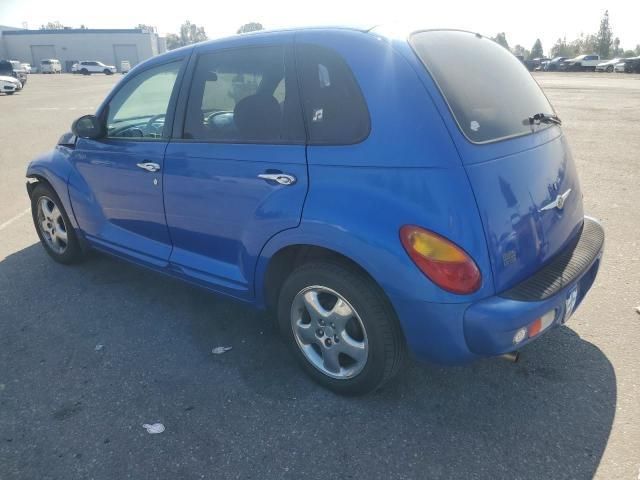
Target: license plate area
(570, 303)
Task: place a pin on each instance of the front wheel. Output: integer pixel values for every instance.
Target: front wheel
(609, 69)
(108, 72)
(54, 229)
(341, 327)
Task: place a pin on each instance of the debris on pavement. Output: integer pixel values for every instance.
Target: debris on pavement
(220, 350)
(99, 347)
(153, 428)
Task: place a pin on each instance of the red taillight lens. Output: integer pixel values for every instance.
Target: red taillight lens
(442, 261)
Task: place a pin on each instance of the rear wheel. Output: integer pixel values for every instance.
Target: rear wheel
(54, 229)
(107, 71)
(340, 327)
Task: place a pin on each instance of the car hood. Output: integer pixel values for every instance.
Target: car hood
(4, 78)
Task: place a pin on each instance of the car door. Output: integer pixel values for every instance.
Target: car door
(236, 173)
(117, 189)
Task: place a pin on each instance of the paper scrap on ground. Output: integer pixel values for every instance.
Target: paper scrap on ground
(220, 350)
(154, 428)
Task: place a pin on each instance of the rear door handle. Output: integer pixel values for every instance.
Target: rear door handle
(281, 178)
(148, 166)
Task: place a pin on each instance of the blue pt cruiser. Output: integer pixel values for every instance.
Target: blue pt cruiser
(378, 193)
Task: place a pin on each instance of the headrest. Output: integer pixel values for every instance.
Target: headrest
(258, 117)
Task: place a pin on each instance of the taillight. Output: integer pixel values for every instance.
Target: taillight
(442, 261)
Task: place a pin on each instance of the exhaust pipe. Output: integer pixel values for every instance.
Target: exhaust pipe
(513, 357)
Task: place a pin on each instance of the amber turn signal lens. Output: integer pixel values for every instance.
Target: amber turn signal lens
(441, 260)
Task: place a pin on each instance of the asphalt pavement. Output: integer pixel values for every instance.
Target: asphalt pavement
(90, 353)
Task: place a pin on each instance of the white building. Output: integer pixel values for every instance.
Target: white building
(109, 46)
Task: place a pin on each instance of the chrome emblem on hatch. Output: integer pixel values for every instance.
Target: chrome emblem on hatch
(558, 202)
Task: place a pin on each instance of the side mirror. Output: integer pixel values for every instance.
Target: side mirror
(88, 126)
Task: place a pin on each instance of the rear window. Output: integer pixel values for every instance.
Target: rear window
(489, 91)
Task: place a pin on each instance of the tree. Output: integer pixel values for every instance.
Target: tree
(146, 28)
(604, 36)
(501, 39)
(629, 53)
(52, 26)
(536, 50)
(561, 49)
(519, 50)
(189, 33)
(250, 27)
(584, 44)
(617, 51)
(173, 41)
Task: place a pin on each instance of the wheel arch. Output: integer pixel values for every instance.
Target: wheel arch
(283, 261)
(53, 169)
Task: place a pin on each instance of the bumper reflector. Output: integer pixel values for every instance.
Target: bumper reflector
(542, 323)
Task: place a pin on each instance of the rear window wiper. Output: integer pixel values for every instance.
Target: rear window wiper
(539, 118)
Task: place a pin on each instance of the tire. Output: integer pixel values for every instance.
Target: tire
(9, 93)
(54, 215)
(107, 72)
(371, 329)
(609, 69)
(84, 71)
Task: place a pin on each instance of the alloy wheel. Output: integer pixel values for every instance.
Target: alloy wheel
(52, 225)
(329, 332)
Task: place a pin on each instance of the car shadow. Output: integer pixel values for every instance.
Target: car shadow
(89, 353)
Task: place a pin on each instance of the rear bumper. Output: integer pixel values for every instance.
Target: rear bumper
(491, 324)
(459, 333)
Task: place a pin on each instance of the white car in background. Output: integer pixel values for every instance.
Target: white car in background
(87, 67)
(50, 65)
(608, 65)
(9, 85)
(26, 67)
(619, 67)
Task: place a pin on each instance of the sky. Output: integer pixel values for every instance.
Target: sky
(522, 21)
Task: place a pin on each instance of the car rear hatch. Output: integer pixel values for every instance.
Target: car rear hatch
(520, 169)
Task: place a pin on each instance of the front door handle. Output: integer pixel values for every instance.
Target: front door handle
(281, 178)
(148, 166)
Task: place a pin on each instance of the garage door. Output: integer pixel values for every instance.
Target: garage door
(41, 52)
(126, 52)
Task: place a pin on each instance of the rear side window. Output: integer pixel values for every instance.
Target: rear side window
(244, 95)
(490, 93)
(334, 108)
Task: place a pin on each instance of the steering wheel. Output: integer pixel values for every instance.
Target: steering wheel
(208, 120)
(153, 120)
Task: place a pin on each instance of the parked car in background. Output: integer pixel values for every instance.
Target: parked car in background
(249, 166)
(581, 63)
(554, 64)
(50, 65)
(535, 63)
(608, 65)
(26, 67)
(87, 67)
(12, 68)
(9, 85)
(125, 66)
(630, 65)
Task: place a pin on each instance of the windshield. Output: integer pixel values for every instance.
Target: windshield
(490, 93)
